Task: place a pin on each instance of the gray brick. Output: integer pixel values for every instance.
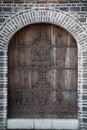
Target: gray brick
(0, 9)
(1, 96)
(84, 1)
(85, 97)
(9, 5)
(1, 86)
(1, 74)
(1, 108)
(80, 4)
(1, 119)
(74, 5)
(83, 8)
(85, 120)
(64, 9)
(75, 9)
(7, 9)
(1, 103)
(82, 19)
(1, 53)
(68, 4)
(17, 9)
(2, 20)
(84, 5)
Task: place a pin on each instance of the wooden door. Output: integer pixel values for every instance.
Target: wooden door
(42, 73)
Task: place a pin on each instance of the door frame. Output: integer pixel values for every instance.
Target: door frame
(45, 14)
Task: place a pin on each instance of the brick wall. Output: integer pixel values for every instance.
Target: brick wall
(77, 9)
(9, 26)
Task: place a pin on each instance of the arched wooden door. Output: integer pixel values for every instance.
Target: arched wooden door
(42, 73)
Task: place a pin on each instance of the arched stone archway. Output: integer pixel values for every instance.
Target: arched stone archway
(47, 15)
(56, 17)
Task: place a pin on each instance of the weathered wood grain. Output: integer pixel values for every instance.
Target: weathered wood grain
(42, 75)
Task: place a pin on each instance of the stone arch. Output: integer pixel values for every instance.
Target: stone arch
(44, 14)
(38, 15)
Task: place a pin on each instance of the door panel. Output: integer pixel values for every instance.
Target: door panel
(42, 73)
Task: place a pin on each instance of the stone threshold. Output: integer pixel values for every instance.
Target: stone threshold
(57, 124)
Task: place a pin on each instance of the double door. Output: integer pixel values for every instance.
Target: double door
(42, 73)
